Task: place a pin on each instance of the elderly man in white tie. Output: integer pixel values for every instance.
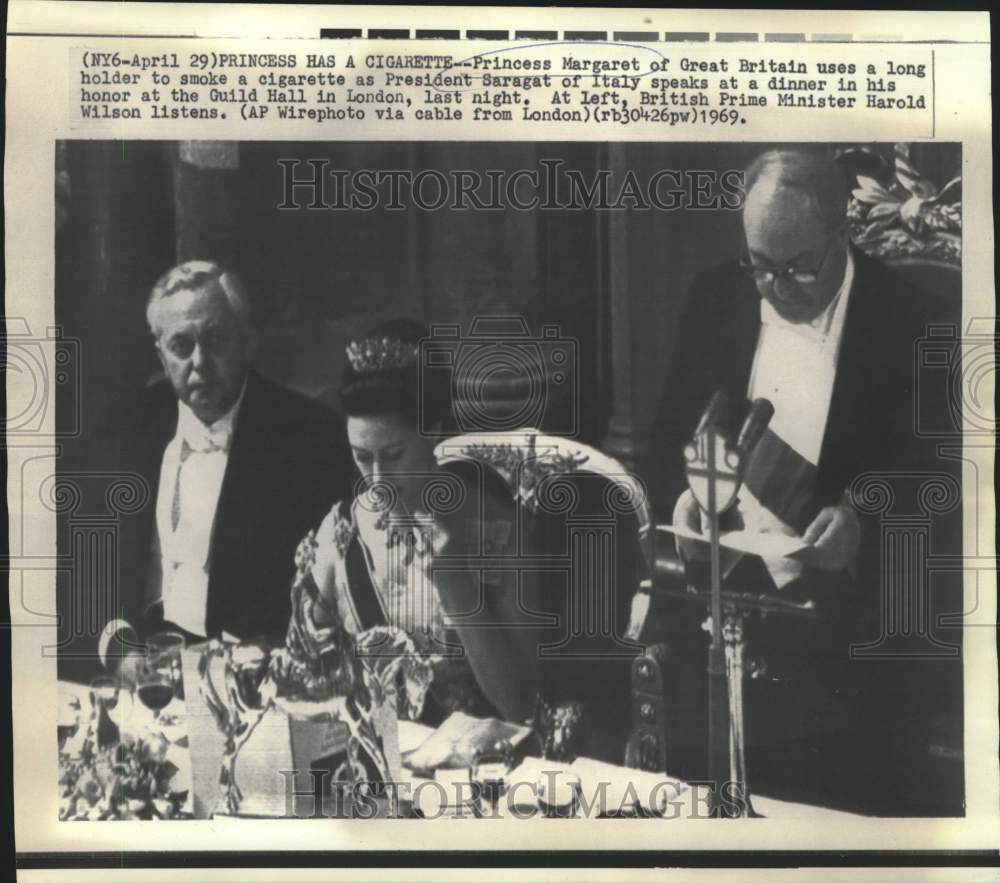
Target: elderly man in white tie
(798, 258)
(203, 341)
(827, 335)
(239, 469)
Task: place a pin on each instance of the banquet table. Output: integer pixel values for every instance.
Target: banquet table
(135, 720)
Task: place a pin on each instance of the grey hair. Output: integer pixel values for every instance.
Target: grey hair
(194, 275)
(811, 172)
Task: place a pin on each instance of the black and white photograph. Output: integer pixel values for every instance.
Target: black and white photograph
(423, 423)
(443, 479)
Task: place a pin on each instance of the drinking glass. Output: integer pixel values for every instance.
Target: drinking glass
(155, 689)
(104, 693)
(558, 794)
(103, 700)
(163, 651)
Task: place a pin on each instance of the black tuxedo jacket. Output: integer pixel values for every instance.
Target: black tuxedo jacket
(288, 463)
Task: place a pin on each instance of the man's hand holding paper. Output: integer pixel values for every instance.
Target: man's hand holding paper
(833, 539)
(830, 542)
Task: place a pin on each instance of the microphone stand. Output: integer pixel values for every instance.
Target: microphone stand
(727, 651)
(719, 746)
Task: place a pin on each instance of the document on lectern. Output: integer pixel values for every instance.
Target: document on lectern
(355, 358)
(766, 545)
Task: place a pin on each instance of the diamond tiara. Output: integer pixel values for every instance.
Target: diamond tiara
(374, 354)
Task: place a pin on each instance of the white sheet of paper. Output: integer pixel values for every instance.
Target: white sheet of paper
(457, 740)
(766, 545)
(622, 785)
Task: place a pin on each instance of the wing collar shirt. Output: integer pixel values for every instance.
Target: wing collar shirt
(191, 475)
(795, 367)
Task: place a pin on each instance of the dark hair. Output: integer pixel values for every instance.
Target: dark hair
(395, 389)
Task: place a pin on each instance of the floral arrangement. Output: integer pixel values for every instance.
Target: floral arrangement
(900, 213)
(127, 780)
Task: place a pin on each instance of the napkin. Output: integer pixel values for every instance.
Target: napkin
(611, 788)
(455, 743)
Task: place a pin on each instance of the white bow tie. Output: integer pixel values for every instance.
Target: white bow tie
(205, 443)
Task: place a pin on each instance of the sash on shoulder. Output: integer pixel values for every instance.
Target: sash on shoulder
(783, 481)
(363, 592)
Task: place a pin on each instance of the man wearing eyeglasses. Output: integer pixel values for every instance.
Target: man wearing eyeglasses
(239, 468)
(783, 322)
(826, 334)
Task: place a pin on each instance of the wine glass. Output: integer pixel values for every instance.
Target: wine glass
(103, 700)
(104, 693)
(155, 689)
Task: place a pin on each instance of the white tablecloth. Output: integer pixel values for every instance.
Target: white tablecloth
(134, 718)
(617, 779)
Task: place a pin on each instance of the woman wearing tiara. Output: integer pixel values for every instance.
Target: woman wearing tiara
(370, 561)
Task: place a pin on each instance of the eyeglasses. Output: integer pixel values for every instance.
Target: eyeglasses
(770, 274)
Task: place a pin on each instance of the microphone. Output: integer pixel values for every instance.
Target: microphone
(715, 412)
(726, 416)
(758, 417)
(721, 415)
(735, 436)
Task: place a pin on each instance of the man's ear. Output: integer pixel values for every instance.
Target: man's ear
(159, 353)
